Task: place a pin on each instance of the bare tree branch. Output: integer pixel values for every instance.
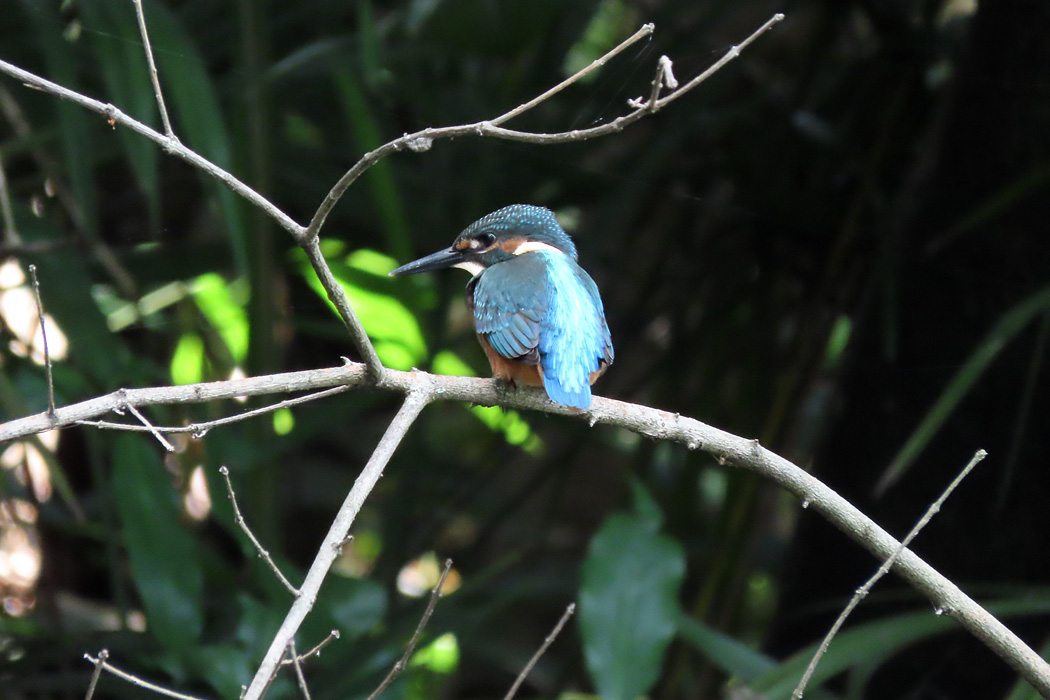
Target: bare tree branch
(141, 16)
(329, 550)
(199, 430)
(652, 422)
(422, 140)
(293, 658)
(149, 426)
(863, 591)
(43, 337)
(316, 651)
(411, 646)
(239, 519)
(102, 664)
(539, 652)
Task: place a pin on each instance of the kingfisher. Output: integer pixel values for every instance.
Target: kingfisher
(537, 313)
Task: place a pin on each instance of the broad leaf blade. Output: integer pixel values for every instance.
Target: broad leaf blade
(629, 605)
(164, 561)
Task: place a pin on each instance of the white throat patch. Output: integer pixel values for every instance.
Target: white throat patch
(471, 266)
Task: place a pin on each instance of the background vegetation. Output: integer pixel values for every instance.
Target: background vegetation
(837, 245)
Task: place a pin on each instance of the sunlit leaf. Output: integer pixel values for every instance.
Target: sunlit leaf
(392, 327)
(440, 656)
(629, 605)
(187, 363)
(515, 429)
(226, 315)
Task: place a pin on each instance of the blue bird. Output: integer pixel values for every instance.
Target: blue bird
(538, 315)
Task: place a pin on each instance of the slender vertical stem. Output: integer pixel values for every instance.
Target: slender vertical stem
(43, 336)
(141, 15)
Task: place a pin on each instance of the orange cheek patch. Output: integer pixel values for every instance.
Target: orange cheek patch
(511, 245)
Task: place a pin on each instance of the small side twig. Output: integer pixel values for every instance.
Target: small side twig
(199, 430)
(149, 426)
(43, 336)
(102, 656)
(411, 647)
(316, 651)
(539, 652)
(141, 15)
(239, 519)
(101, 663)
(863, 591)
(294, 659)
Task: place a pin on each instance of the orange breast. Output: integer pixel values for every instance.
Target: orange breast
(523, 373)
(511, 370)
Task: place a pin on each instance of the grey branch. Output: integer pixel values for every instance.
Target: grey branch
(102, 664)
(652, 422)
(421, 140)
(539, 652)
(199, 430)
(293, 658)
(411, 646)
(863, 591)
(329, 550)
(316, 651)
(43, 338)
(153, 70)
(239, 519)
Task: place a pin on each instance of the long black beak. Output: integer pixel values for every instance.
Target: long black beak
(435, 261)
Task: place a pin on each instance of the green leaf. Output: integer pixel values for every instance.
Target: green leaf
(1005, 330)
(164, 563)
(515, 429)
(877, 641)
(392, 327)
(355, 605)
(629, 605)
(733, 657)
(226, 314)
(187, 362)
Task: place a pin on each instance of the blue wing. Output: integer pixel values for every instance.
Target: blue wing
(543, 308)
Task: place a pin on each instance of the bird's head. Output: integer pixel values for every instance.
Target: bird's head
(495, 238)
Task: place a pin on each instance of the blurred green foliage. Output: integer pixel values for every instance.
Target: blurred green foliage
(835, 245)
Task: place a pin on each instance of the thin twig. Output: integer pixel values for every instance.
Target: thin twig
(411, 646)
(149, 426)
(141, 15)
(135, 680)
(239, 519)
(7, 214)
(312, 248)
(422, 140)
(316, 651)
(329, 550)
(294, 659)
(199, 430)
(644, 31)
(863, 591)
(102, 656)
(43, 337)
(539, 652)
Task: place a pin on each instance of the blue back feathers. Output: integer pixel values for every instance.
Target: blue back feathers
(541, 307)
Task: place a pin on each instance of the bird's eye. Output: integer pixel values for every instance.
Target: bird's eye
(484, 241)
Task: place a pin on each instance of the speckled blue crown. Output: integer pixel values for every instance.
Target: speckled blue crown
(532, 222)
